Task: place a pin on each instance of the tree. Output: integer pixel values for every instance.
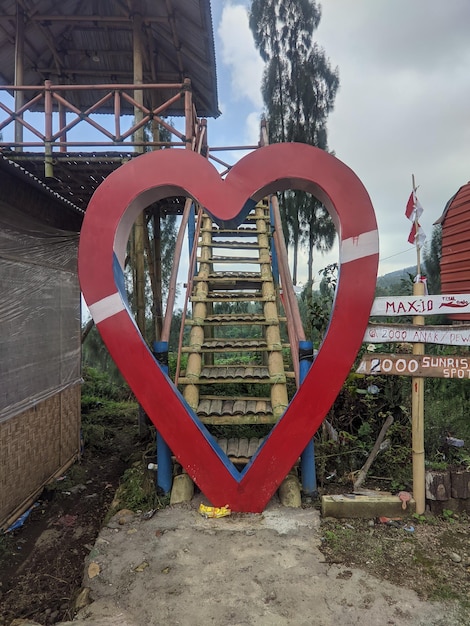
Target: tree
(432, 260)
(299, 88)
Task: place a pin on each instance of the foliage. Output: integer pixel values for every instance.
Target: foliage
(432, 260)
(105, 404)
(97, 383)
(357, 417)
(137, 490)
(395, 283)
(446, 415)
(299, 89)
(97, 362)
(315, 306)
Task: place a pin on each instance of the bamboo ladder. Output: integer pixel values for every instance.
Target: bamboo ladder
(235, 381)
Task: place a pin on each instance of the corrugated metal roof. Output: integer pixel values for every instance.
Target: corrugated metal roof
(455, 257)
(76, 42)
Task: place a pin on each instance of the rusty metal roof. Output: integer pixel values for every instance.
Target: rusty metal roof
(79, 43)
(76, 176)
(455, 256)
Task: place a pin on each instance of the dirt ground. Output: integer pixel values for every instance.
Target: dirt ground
(283, 567)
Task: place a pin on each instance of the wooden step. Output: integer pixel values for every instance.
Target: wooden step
(231, 259)
(223, 374)
(233, 296)
(231, 245)
(231, 282)
(234, 345)
(239, 318)
(235, 319)
(232, 411)
(235, 398)
(252, 218)
(237, 232)
(240, 450)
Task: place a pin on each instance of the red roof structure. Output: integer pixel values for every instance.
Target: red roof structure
(455, 258)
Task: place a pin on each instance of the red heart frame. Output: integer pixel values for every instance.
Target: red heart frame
(106, 228)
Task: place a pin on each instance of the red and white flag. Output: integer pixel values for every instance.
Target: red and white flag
(417, 235)
(413, 212)
(413, 207)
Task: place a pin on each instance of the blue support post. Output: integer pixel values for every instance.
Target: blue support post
(307, 459)
(163, 452)
(274, 262)
(192, 232)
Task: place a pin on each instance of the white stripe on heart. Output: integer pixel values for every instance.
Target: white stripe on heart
(107, 307)
(359, 247)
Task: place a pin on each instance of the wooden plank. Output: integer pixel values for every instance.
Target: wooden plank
(456, 335)
(460, 483)
(438, 485)
(238, 420)
(391, 306)
(415, 365)
(367, 507)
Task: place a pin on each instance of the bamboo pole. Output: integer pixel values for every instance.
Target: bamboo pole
(48, 166)
(373, 454)
(139, 265)
(417, 419)
(417, 401)
(19, 71)
(174, 271)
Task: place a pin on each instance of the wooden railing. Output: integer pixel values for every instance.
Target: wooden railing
(51, 100)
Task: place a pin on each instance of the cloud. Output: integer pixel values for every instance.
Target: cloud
(239, 55)
(402, 106)
(252, 128)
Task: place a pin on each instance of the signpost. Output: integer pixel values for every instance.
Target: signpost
(407, 333)
(386, 306)
(426, 365)
(418, 365)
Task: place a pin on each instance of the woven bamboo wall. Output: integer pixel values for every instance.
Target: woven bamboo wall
(34, 446)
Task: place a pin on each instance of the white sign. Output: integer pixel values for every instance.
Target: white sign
(415, 365)
(421, 305)
(394, 333)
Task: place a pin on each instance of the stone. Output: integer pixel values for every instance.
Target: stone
(456, 558)
(182, 489)
(289, 492)
(83, 599)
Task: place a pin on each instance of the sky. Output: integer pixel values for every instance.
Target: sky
(402, 108)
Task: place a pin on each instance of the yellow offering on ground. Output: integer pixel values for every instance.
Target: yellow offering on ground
(213, 511)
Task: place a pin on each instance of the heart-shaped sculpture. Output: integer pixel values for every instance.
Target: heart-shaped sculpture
(105, 232)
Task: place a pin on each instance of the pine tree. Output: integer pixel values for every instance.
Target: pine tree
(299, 88)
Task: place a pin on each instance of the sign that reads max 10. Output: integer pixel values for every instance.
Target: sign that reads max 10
(415, 365)
(421, 305)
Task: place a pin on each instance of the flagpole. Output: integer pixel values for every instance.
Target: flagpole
(417, 394)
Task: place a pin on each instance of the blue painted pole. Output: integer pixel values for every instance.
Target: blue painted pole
(307, 459)
(192, 232)
(163, 452)
(274, 262)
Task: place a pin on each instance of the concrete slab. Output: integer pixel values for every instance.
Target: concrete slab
(264, 569)
(364, 506)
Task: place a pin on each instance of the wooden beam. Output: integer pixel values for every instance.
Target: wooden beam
(450, 335)
(421, 305)
(427, 366)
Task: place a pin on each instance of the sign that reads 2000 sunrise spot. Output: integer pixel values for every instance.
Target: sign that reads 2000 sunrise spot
(415, 365)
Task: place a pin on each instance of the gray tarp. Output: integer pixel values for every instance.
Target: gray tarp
(39, 311)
